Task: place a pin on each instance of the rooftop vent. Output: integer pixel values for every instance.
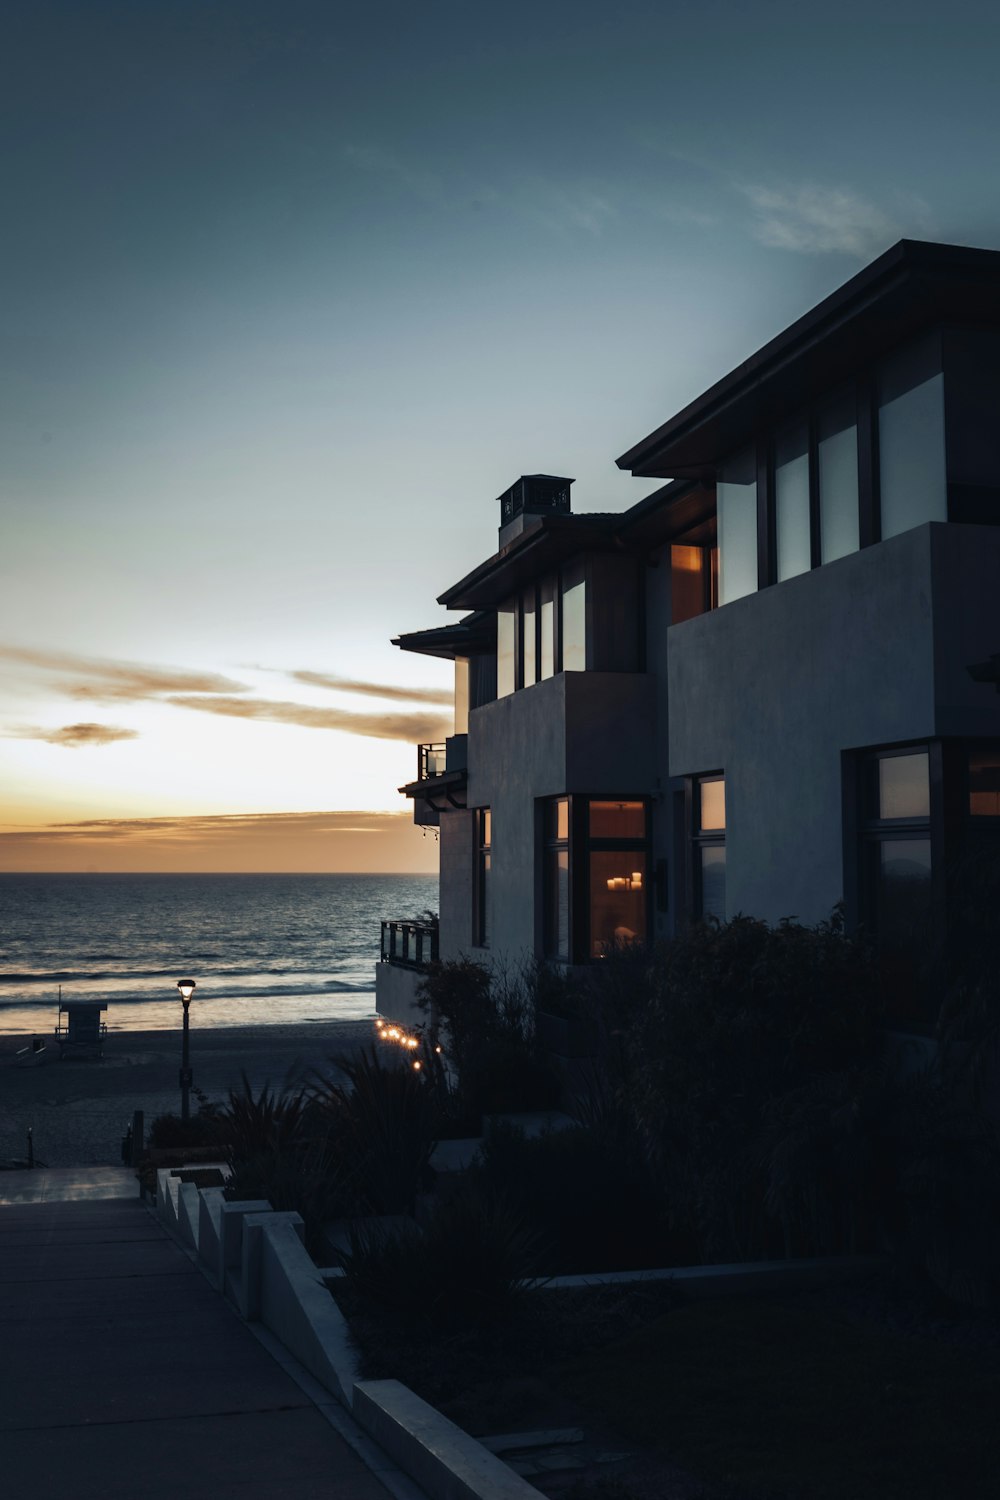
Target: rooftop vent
(536, 495)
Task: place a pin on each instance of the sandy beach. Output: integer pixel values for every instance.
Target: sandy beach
(78, 1110)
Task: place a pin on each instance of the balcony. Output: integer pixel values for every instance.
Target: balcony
(413, 945)
(432, 760)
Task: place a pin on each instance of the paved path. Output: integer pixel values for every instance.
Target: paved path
(124, 1376)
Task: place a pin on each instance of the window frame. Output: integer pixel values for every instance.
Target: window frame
(579, 846)
(482, 873)
(700, 839)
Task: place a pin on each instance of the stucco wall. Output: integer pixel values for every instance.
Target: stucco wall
(772, 688)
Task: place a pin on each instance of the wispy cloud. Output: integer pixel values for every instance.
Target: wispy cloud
(409, 727)
(424, 185)
(74, 736)
(394, 694)
(198, 826)
(105, 681)
(309, 841)
(813, 219)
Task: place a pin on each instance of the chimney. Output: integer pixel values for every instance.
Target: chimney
(531, 496)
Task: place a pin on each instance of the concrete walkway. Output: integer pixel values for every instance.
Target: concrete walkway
(124, 1375)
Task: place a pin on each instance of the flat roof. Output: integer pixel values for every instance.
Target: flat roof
(914, 285)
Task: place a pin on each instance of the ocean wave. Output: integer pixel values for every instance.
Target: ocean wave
(323, 990)
(95, 976)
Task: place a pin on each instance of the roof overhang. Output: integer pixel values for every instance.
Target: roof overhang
(467, 637)
(442, 793)
(913, 286)
(547, 542)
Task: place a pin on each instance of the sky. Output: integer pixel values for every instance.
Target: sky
(294, 290)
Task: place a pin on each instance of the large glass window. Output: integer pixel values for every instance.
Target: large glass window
(692, 581)
(912, 486)
(898, 876)
(708, 805)
(529, 639)
(984, 783)
(837, 459)
(793, 530)
(547, 628)
(506, 647)
(461, 695)
(598, 848)
(556, 879)
(618, 860)
(574, 618)
(736, 501)
(484, 862)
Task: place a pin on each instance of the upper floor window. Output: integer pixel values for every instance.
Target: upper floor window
(462, 694)
(543, 630)
(824, 491)
(736, 503)
(694, 581)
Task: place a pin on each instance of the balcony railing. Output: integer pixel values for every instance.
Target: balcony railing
(431, 761)
(413, 944)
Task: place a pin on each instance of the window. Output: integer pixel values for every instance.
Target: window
(596, 859)
(529, 639)
(484, 851)
(693, 581)
(736, 501)
(618, 875)
(461, 695)
(708, 806)
(574, 618)
(506, 648)
(556, 879)
(547, 629)
(897, 871)
(911, 451)
(793, 534)
(837, 464)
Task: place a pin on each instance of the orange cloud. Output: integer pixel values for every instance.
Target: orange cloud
(75, 736)
(395, 694)
(411, 728)
(314, 842)
(108, 681)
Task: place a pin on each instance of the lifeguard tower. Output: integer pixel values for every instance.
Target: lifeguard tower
(80, 1032)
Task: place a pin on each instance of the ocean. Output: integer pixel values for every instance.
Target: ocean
(263, 949)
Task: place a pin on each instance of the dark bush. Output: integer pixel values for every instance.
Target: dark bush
(463, 1270)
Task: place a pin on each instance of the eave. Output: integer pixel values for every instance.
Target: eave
(913, 286)
(443, 793)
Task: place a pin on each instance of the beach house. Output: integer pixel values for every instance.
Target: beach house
(768, 687)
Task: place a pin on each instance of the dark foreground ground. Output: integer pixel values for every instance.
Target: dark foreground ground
(78, 1110)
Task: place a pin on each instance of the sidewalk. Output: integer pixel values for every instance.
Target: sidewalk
(124, 1375)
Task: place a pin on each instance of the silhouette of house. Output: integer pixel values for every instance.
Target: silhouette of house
(765, 688)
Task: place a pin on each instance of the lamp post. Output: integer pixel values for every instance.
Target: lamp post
(187, 988)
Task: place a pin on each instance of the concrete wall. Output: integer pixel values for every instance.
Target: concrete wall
(395, 994)
(772, 688)
(965, 577)
(455, 894)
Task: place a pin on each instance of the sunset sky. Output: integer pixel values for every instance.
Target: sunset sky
(293, 290)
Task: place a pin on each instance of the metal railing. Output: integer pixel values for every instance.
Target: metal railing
(431, 761)
(413, 944)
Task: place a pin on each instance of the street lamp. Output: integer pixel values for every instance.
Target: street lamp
(187, 988)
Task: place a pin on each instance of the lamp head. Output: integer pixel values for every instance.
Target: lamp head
(187, 988)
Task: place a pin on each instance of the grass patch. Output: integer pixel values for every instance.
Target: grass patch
(785, 1397)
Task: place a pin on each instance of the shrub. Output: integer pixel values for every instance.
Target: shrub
(206, 1128)
(464, 1270)
(261, 1124)
(591, 1205)
(382, 1125)
(728, 1020)
(486, 1022)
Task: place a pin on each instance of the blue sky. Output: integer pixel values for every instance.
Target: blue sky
(292, 294)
